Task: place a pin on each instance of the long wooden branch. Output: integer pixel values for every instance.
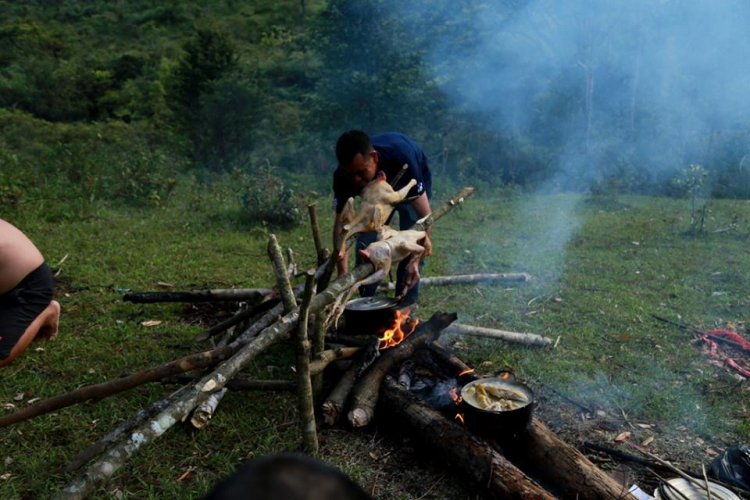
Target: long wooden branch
(333, 406)
(465, 279)
(218, 295)
(365, 393)
(516, 337)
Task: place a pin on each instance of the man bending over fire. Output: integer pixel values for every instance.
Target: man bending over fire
(360, 159)
(26, 305)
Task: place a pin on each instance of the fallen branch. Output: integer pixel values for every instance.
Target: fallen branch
(219, 295)
(465, 279)
(365, 393)
(515, 337)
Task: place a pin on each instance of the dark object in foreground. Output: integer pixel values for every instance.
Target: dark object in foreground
(733, 466)
(287, 477)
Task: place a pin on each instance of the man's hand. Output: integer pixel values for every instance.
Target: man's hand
(411, 276)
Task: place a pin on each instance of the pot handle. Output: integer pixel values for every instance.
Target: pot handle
(505, 374)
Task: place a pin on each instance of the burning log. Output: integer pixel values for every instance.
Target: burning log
(532, 339)
(463, 452)
(334, 404)
(218, 295)
(365, 393)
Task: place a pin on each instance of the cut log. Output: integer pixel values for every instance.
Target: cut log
(334, 403)
(463, 452)
(515, 337)
(219, 295)
(465, 279)
(552, 461)
(365, 392)
(204, 411)
(239, 383)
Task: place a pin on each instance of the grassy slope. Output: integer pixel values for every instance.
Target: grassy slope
(594, 288)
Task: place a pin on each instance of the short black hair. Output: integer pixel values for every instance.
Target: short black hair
(350, 144)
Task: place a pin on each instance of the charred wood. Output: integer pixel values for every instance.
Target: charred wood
(334, 403)
(365, 393)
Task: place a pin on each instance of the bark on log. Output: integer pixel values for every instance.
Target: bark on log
(218, 295)
(366, 390)
(553, 461)
(334, 403)
(282, 279)
(204, 411)
(515, 337)
(112, 437)
(239, 383)
(302, 363)
(463, 452)
(466, 279)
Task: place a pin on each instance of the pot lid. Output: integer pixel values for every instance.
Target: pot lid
(682, 489)
(371, 304)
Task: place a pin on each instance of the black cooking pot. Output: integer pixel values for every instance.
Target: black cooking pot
(369, 315)
(505, 424)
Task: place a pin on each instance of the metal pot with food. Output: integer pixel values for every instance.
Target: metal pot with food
(499, 407)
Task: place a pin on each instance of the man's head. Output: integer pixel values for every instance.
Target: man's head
(357, 157)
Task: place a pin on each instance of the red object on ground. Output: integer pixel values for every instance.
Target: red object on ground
(733, 336)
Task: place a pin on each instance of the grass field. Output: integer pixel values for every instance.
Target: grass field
(600, 271)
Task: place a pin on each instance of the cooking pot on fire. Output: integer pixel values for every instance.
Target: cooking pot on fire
(369, 315)
(498, 407)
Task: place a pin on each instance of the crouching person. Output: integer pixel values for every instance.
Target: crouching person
(27, 310)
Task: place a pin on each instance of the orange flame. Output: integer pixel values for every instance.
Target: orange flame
(455, 395)
(460, 418)
(395, 335)
(466, 372)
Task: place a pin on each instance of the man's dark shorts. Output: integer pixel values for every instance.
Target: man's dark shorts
(20, 306)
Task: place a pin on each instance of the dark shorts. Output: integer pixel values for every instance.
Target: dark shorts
(20, 306)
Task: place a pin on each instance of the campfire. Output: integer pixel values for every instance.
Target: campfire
(367, 387)
(394, 335)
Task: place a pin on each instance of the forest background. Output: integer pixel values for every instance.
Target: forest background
(122, 101)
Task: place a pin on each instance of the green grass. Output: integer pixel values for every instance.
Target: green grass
(600, 271)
